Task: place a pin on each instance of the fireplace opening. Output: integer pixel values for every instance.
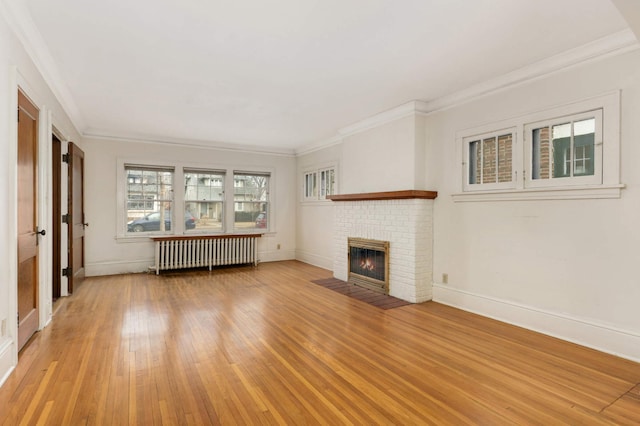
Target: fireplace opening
(369, 264)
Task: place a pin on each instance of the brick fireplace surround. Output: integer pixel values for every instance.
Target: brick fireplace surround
(405, 219)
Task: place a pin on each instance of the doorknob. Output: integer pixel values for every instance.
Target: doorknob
(85, 224)
(43, 232)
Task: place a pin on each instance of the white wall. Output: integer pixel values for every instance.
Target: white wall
(107, 254)
(16, 69)
(383, 158)
(315, 219)
(564, 267)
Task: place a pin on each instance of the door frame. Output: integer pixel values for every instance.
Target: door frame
(44, 209)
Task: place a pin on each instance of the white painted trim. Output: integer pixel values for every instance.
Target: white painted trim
(575, 193)
(315, 259)
(614, 44)
(583, 331)
(317, 146)
(95, 269)
(609, 46)
(7, 360)
(21, 23)
(401, 111)
(275, 255)
(192, 143)
(12, 225)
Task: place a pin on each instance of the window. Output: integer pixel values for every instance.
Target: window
(176, 199)
(318, 184)
(251, 200)
(203, 200)
(490, 160)
(310, 188)
(149, 199)
(567, 152)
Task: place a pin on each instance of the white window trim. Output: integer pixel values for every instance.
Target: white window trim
(121, 195)
(595, 179)
(480, 137)
(609, 185)
(122, 236)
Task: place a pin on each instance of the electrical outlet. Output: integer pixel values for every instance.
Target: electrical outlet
(3, 328)
(445, 278)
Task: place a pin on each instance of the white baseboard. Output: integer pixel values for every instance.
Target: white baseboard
(314, 259)
(602, 337)
(116, 268)
(7, 362)
(276, 255)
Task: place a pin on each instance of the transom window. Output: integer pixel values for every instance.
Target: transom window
(489, 160)
(566, 150)
(318, 184)
(570, 151)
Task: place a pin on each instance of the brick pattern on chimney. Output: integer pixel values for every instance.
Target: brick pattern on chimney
(407, 225)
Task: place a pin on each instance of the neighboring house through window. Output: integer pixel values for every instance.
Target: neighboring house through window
(572, 150)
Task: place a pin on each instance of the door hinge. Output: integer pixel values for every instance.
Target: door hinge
(65, 218)
(66, 272)
(18, 117)
(65, 158)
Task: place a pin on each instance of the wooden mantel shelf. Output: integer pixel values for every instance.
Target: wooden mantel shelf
(389, 195)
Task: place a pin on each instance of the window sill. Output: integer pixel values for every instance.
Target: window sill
(566, 193)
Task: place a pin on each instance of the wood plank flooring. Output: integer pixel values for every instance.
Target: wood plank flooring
(266, 346)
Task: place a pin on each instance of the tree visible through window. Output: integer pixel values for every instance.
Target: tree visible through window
(251, 200)
(149, 199)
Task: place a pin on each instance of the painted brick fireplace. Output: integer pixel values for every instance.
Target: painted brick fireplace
(405, 220)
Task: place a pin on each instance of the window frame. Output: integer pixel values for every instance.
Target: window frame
(209, 171)
(468, 140)
(319, 192)
(124, 207)
(267, 210)
(608, 186)
(178, 167)
(551, 182)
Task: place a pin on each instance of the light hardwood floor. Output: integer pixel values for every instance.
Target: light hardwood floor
(265, 346)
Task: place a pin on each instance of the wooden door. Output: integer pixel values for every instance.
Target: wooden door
(56, 227)
(28, 232)
(77, 221)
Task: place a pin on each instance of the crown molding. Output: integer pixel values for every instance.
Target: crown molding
(615, 44)
(407, 109)
(191, 143)
(20, 21)
(317, 146)
(612, 45)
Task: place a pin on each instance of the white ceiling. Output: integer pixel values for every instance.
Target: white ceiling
(282, 74)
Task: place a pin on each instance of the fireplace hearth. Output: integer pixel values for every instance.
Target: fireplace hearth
(369, 264)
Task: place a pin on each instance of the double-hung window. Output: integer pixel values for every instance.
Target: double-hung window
(203, 200)
(251, 200)
(149, 199)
